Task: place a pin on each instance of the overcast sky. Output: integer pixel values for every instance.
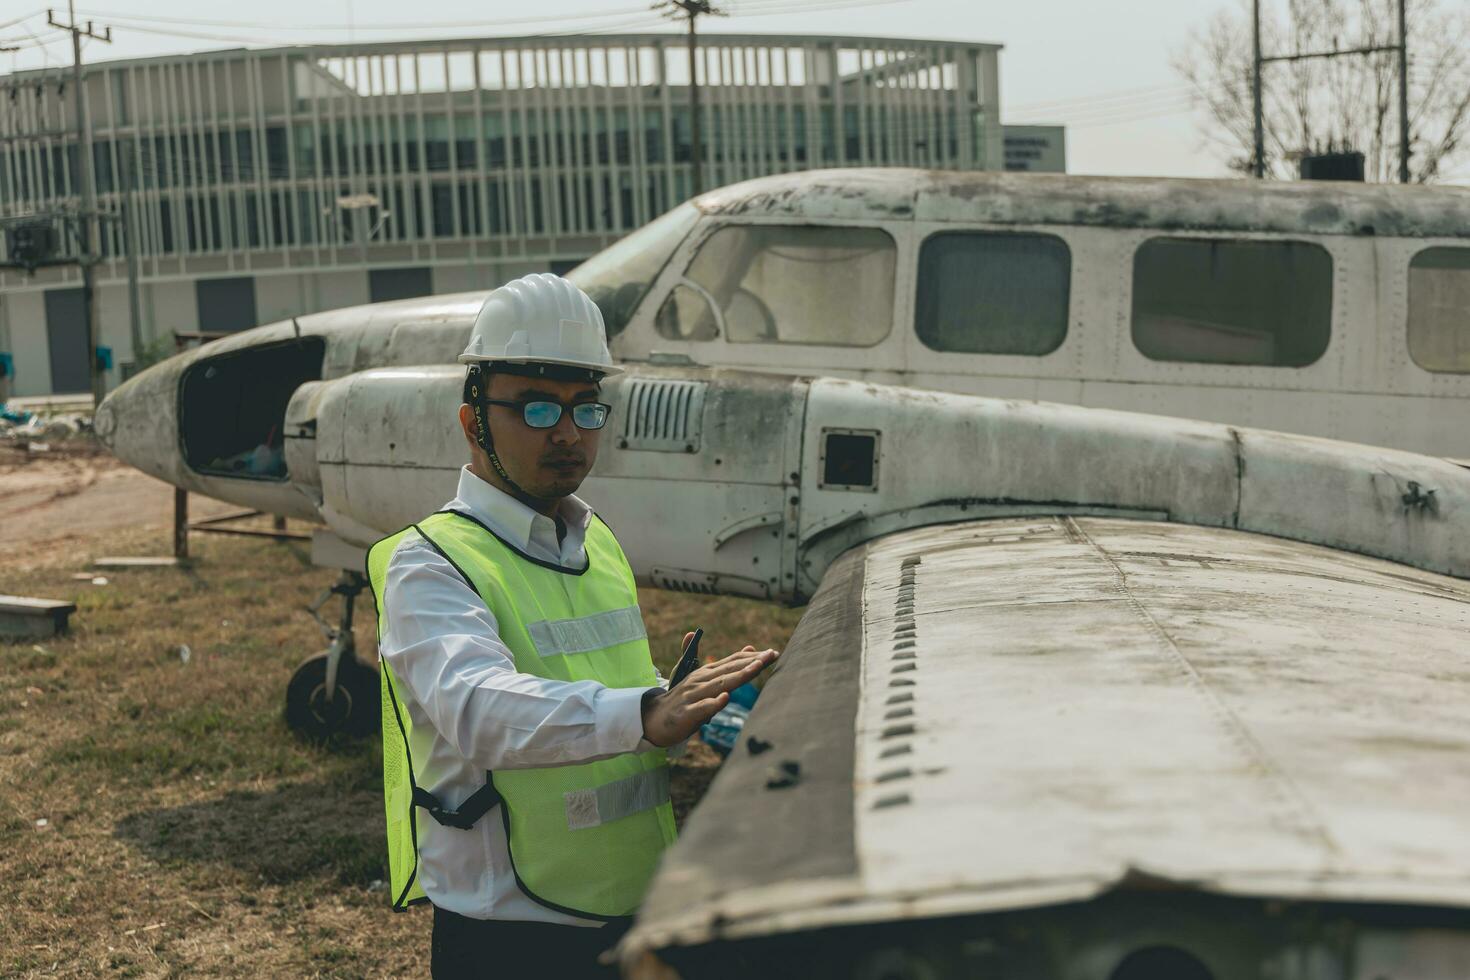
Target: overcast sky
(1103, 70)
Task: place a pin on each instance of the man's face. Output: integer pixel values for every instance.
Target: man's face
(546, 463)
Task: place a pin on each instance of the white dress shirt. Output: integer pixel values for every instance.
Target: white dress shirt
(471, 709)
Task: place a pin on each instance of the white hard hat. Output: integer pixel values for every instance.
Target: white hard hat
(540, 319)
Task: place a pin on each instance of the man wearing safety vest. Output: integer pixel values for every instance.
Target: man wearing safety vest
(524, 724)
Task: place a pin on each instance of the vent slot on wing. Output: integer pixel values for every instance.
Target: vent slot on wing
(664, 416)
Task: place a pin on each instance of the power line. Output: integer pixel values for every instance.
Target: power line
(160, 26)
(31, 41)
(379, 26)
(1122, 95)
(1103, 113)
(44, 45)
(777, 8)
(781, 10)
(12, 23)
(148, 24)
(1133, 118)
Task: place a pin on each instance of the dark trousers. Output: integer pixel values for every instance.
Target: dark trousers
(465, 948)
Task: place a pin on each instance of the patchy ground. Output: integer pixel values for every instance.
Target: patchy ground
(158, 818)
(65, 494)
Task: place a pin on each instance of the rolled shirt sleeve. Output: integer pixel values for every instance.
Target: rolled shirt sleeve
(444, 647)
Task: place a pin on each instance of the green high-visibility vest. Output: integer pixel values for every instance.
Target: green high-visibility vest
(584, 839)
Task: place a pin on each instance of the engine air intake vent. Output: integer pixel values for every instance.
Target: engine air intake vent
(664, 416)
(684, 580)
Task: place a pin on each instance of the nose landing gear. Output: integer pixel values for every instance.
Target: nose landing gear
(332, 693)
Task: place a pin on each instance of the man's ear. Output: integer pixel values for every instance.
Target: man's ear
(470, 427)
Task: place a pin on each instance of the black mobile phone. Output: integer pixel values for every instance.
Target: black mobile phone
(689, 660)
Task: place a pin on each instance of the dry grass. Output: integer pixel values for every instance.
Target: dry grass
(158, 819)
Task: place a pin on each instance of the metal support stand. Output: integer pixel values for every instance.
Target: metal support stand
(331, 693)
(340, 640)
(181, 524)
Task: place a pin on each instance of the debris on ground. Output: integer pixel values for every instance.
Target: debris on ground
(47, 431)
(14, 416)
(139, 561)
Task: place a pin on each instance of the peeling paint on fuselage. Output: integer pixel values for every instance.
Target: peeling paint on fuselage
(1166, 204)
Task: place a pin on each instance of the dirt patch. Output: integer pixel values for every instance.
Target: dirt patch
(68, 495)
(160, 820)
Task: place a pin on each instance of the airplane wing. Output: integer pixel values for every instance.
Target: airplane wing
(1041, 746)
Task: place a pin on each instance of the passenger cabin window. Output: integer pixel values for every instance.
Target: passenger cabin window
(1232, 302)
(786, 284)
(1439, 310)
(993, 293)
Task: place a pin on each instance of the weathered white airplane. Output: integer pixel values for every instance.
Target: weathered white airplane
(1080, 693)
(1337, 310)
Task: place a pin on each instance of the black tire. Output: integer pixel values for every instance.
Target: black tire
(355, 709)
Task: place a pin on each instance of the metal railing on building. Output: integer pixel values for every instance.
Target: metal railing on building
(522, 147)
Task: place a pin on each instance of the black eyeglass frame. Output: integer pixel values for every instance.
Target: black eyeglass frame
(561, 407)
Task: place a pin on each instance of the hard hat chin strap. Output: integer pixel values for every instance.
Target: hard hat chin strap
(479, 390)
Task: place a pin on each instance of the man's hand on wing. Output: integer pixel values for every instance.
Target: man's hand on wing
(669, 717)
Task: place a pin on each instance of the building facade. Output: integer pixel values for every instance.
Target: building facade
(254, 185)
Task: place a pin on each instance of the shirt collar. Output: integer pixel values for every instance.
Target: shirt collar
(509, 517)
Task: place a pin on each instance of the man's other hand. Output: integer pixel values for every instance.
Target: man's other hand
(672, 716)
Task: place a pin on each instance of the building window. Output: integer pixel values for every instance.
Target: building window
(1232, 302)
(226, 305)
(389, 284)
(989, 293)
(791, 284)
(1439, 310)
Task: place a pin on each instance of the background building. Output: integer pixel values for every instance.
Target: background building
(260, 184)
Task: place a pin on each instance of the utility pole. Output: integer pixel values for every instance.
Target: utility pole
(1401, 49)
(87, 215)
(1258, 153)
(1403, 95)
(694, 9)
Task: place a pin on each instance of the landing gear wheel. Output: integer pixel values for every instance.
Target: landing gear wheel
(353, 708)
(331, 693)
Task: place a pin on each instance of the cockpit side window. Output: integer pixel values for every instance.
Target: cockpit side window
(789, 284)
(618, 277)
(1439, 310)
(1213, 301)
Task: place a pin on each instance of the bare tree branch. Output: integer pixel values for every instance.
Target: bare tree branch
(1346, 102)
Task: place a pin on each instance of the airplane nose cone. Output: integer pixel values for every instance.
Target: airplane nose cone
(104, 424)
(139, 421)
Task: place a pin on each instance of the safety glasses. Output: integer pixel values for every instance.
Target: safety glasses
(544, 415)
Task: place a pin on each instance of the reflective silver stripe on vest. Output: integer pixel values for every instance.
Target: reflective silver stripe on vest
(614, 801)
(554, 637)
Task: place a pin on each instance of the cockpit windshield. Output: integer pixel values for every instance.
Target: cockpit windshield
(618, 277)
